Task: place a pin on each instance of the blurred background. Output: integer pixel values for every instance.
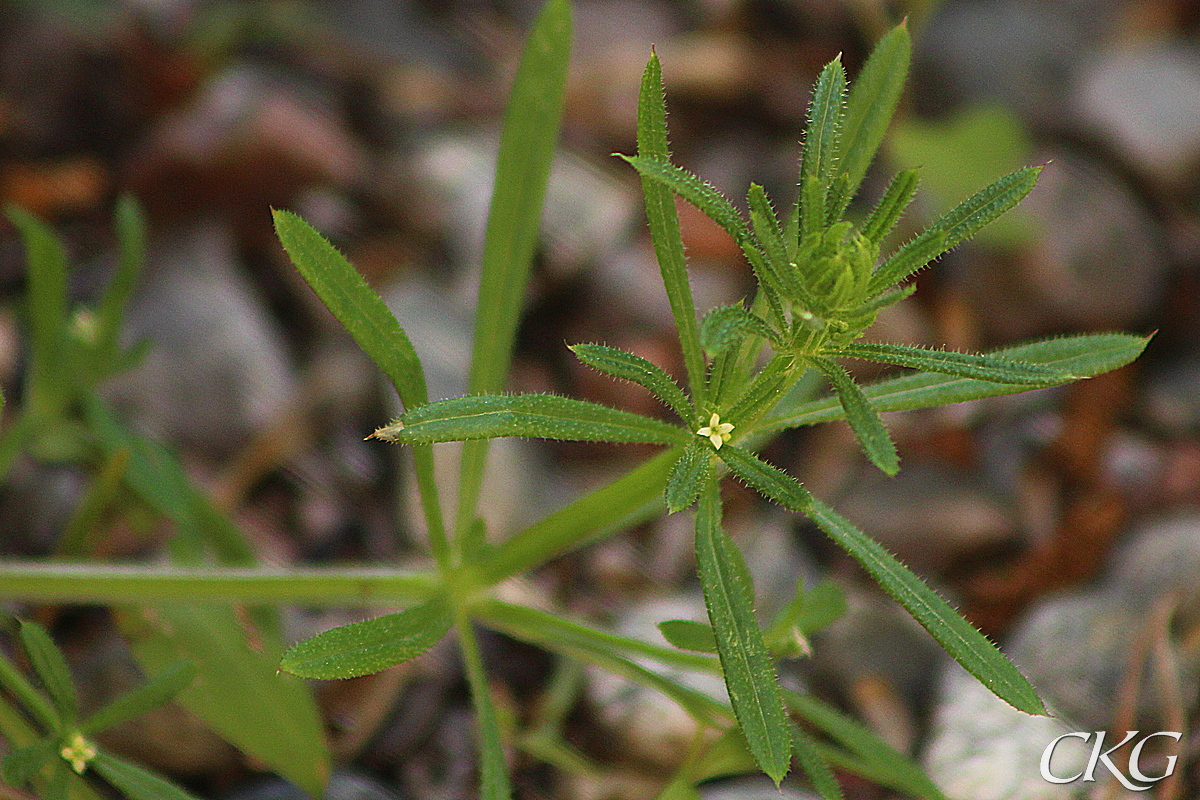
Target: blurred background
(1065, 522)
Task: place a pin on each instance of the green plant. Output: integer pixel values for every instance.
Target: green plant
(63, 421)
(66, 742)
(821, 283)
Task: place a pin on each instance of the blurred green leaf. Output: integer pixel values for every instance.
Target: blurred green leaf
(145, 698)
(22, 763)
(131, 254)
(136, 783)
(973, 148)
(872, 757)
(52, 670)
(24, 692)
(687, 634)
(814, 765)
(46, 305)
(527, 143)
(238, 693)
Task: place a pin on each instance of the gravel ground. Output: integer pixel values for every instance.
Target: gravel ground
(1066, 523)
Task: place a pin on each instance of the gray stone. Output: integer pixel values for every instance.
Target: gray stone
(218, 369)
(1145, 100)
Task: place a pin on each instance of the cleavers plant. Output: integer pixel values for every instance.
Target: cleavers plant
(821, 282)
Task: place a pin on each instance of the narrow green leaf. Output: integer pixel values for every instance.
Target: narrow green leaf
(864, 421)
(366, 647)
(716, 207)
(134, 782)
(876, 759)
(131, 249)
(723, 327)
(749, 674)
(959, 224)
(871, 103)
(691, 472)
(140, 700)
(821, 139)
(962, 641)
(767, 480)
(664, 224)
(46, 304)
(33, 701)
(51, 668)
(767, 230)
(627, 366)
(543, 416)
(837, 197)
(889, 209)
(1086, 355)
(910, 258)
(355, 304)
(22, 763)
(700, 193)
(964, 365)
(84, 528)
(814, 765)
(688, 634)
(346, 294)
(959, 638)
(527, 143)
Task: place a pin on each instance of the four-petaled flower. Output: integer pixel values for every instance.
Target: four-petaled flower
(716, 431)
(79, 752)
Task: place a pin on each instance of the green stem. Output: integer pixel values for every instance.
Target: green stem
(762, 395)
(588, 519)
(431, 506)
(493, 772)
(106, 583)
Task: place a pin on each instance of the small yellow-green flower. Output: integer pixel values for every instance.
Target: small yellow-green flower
(79, 752)
(716, 431)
